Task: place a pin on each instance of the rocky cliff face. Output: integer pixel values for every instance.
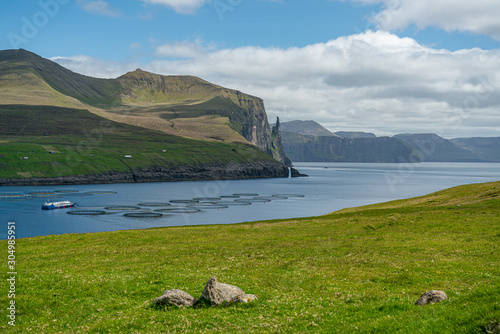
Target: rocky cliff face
(192, 96)
(335, 149)
(247, 170)
(277, 145)
(433, 148)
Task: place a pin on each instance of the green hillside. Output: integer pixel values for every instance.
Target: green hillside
(85, 144)
(46, 107)
(353, 271)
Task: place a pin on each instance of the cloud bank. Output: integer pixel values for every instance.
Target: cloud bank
(479, 17)
(373, 81)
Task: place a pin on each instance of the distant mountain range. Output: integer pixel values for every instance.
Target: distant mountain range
(309, 141)
(219, 128)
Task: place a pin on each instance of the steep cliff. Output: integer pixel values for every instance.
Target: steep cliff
(433, 148)
(209, 124)
(277, 145)
(336, 149)
(484, 147)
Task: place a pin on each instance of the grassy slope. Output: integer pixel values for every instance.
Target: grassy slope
(88, 144)
(137, 98)
(357, 271)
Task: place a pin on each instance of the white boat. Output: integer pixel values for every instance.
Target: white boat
(57, 205)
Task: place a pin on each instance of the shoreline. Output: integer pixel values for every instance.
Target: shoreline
(202, 172)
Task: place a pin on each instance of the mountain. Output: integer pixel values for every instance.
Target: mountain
(308, 128)
(433, 148)
(351, 134)
(484, 148)
(335, 149)
(181, 109)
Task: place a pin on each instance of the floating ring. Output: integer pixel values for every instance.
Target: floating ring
(143, 215)
(86, 212)
(122, 207)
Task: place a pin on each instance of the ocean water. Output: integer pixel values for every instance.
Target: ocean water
(329, 187)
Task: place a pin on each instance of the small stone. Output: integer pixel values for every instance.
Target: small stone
(431, 297)
(216, 293)
(175, 297)
(241, 299)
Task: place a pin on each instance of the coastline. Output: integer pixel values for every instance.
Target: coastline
(202, 172)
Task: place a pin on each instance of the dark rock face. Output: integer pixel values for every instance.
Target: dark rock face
(433, 148)
(335, 149)
(277, 145)
(175, 297)
(431, 297)
(296, 173)
(249, 170)
(484, 148)
(216, 293)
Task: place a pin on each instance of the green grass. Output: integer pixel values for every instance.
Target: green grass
(89, 144)
(353, 271)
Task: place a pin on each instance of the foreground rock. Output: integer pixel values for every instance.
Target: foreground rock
(176, 297)
(216, 293)
(431, 297)
(241, 299)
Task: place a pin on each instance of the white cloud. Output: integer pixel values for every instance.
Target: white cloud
(374, 81)
(99, 7)
(183, 49)
(180, 6)
(95, 67)
(479, 17)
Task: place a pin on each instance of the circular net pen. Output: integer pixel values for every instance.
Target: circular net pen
(208, 206)
(183, 201)
(101, 192)
(143, 215)
(42, 192)
(234, 203)
(77, 194)
(54, 195)
(122, 207)
(15, 197)
(179, 210)
(290, 195)
(66, 191)
(230, 196)
(153, 204)
(253, 200)
(274, 198)
(246, 195)
(206, 199)
(86, 212)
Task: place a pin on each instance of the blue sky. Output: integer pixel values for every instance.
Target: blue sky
(384, 66)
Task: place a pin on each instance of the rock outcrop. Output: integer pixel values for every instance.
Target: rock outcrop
(216, 293)
(249, 170)
(175, 297)
(278, 152)
(431, 297)
(244, 299)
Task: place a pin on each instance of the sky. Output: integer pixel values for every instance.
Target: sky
(381, 66)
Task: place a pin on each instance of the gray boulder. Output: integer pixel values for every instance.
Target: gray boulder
(175, 297)
(216, 293)
(241, 299)
(431, 297)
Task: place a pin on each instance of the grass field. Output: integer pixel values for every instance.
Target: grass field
(353, 271)
(84, 143)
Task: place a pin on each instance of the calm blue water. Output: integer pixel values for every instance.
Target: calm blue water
(330, 187)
